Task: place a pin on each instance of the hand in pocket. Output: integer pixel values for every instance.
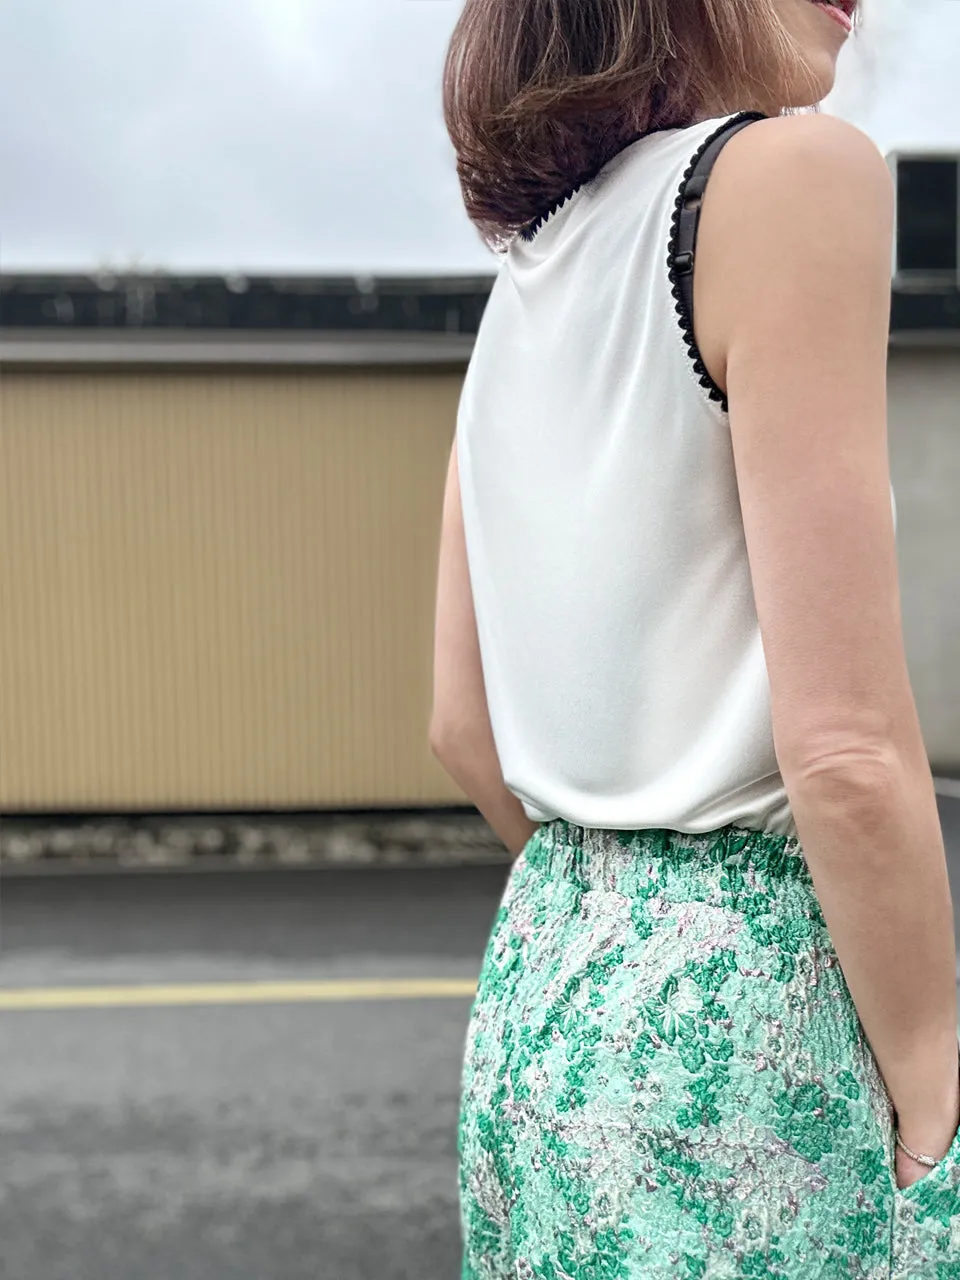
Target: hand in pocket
(908, 1171)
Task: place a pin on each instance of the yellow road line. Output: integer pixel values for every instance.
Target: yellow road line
(212, 993)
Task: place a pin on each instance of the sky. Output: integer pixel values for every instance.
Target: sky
(306, 136)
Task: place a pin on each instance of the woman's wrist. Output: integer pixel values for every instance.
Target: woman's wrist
(918, 1157)
(931, 1136)
(927, 1121)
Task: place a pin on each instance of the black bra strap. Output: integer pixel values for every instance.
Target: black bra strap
(689, 205)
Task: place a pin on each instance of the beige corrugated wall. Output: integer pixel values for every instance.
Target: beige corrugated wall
(216, 588)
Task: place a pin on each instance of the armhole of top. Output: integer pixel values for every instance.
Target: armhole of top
(681, 255)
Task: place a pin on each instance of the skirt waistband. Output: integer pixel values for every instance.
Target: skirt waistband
(595, 856)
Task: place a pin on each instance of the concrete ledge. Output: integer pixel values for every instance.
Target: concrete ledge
(40, 846)
(231, 842)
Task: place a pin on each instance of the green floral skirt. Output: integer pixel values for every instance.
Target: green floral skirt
(665, 1078)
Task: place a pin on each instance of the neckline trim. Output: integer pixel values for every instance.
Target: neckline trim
(529, 233)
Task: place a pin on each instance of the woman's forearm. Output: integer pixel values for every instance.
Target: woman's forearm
(474, 766)
(873, 841)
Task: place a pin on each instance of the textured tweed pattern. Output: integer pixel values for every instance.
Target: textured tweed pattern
(665, 1078)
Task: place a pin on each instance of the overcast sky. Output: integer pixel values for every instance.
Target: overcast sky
(304, 135)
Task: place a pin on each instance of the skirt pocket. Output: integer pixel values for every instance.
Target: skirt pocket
(926, 1223)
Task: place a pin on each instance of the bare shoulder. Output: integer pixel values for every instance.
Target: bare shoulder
(803, 204)
(796, 239)
(797, 161)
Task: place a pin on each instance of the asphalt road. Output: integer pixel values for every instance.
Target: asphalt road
(257, 1141)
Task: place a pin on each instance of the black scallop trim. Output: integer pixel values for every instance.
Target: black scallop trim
(529, 232)
(686, 319)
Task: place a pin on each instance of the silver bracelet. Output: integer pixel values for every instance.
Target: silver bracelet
(924, 1160)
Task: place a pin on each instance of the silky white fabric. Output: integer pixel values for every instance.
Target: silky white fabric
(618, 631)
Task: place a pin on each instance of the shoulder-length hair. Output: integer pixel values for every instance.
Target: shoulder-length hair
(539, 94)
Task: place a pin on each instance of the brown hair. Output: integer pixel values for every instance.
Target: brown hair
(539, 94)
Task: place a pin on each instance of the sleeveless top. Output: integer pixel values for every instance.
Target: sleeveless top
(620, 646)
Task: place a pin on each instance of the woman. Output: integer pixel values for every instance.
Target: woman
(720, 990)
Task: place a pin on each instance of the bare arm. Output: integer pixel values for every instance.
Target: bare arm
(460, 732)
(793, 296)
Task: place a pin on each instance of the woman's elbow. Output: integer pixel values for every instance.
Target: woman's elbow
(458, 743)
(436, 740)
(445, 738)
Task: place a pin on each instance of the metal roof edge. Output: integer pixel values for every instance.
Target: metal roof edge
(929, 339)
(271, 349)
(31, 348)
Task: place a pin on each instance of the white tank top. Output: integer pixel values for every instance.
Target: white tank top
(621, 651)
